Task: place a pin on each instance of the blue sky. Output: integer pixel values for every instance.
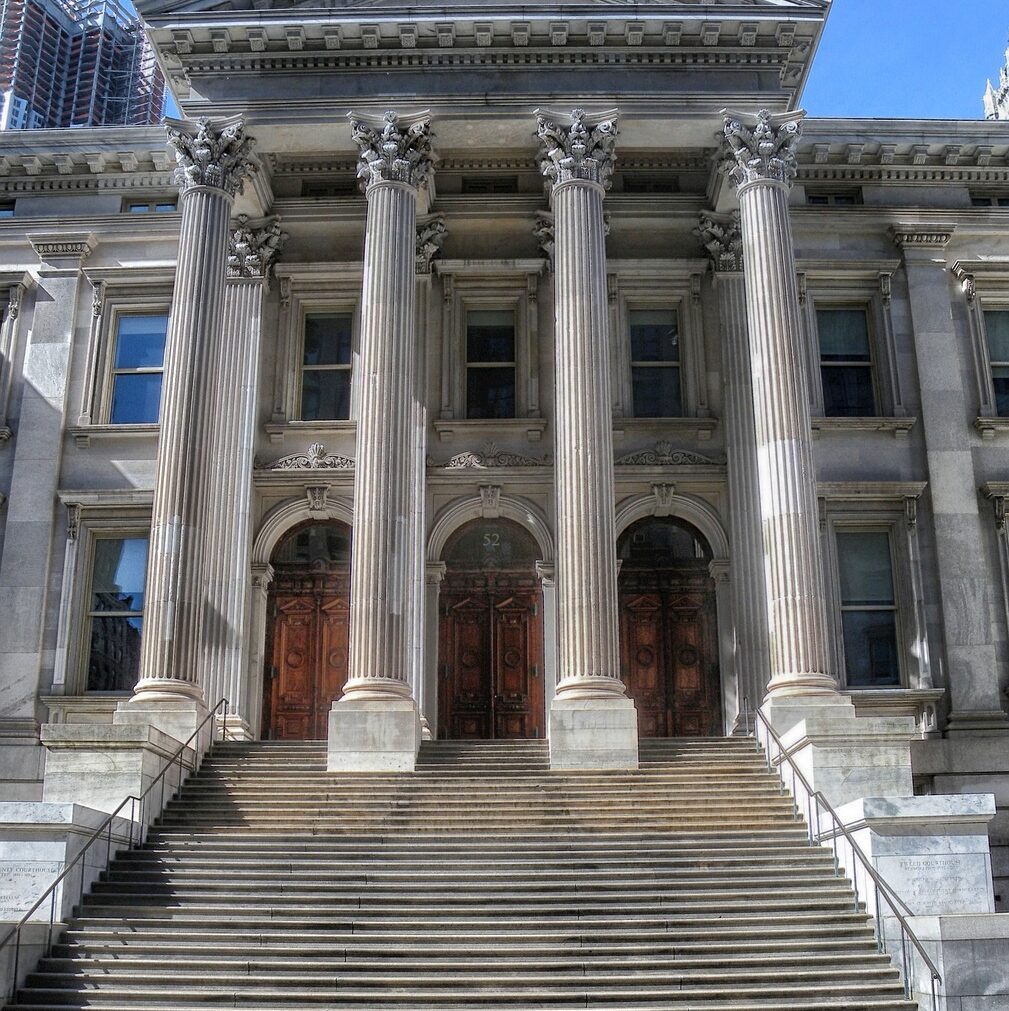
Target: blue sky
(926, 59)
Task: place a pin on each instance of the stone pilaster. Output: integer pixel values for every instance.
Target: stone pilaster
(213, 158)
(25, 569)
(592, 723)
(966, 568)
(723, 240)
(760, 164)
(232, 384)
(375, 725)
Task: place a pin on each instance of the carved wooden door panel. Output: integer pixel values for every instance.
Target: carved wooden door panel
(694, 696)
(643, 663)
(308, 668)
(490, 659)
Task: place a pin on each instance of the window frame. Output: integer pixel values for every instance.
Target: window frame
(879, 507)
(156, 205)
(993, 307)
(117, 293)
(676, 312)
(119, 313)
(846, 306)
(299, 384)
(487, 305)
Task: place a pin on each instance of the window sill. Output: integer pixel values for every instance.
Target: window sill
(900, 427)
(83, 434)
(701, 429)
(989, 427)
(277, 430)
(918, 703)
(488, 428)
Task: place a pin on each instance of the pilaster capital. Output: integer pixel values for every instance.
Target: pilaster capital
(216, 154)
(543, 232)
(63, 249)
(722, 237)
(253, 247)
(434, 573)
(583, 149)
(431, 235)
(761, 147)
(393, 148)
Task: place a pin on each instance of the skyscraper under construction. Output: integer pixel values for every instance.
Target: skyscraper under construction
(66, 63)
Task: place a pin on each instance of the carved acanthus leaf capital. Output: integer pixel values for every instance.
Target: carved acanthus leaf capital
(431, 235)
(543, 231)
(583, 149)
(252, 249)
(218, 155)
(723, 239)
(761, 148)
(393, 148)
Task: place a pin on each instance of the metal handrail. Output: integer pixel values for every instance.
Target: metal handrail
(815, 800)
(135, 802)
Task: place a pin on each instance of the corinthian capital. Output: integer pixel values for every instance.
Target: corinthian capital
(207, 153)
(581, 150)
(252, 250)
(393, 148)
(723, 239)
(761, 147)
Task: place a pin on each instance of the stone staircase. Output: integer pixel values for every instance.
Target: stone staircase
(483, 880)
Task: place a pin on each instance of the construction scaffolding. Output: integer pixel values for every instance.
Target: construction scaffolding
(66, 63)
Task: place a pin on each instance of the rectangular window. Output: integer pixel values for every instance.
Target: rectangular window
(325, 367)
(834, 198)
(640, 182)
(150, 206)
(137, 368)
(116, 613)
(490, 184)
(7, 209)
(996, 325)
(868, 610)
(490, 363)
(845, 363)
(655, 363)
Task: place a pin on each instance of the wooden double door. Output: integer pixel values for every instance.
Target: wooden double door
(669, 652)
(490, 662)
(308, 647)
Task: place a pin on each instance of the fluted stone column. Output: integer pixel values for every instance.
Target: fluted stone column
(761, 164)
(213, 158)
(723, 240)
(375, 725)
(592, 722)
(224, 670)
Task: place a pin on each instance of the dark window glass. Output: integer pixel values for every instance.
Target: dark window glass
(817, 199)
(660, 543)
(981, 201)
(845, 363)
(325, 382)
(139, 208)
(490, 363)
(165, 207)
(116, 613)
(996, 325)
(655, 363)
(331, 188)
(634, 183)
(317, 546)
(136, 369)
(868, 610)
(490, 184)
(6, 210)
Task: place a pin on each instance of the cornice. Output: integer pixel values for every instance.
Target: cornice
(870, 491)
(926, 235)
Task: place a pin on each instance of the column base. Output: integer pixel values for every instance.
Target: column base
(785, 711)
(425, 730)
(599, 733)
(176, 713)
(233, 728)
(373, 735)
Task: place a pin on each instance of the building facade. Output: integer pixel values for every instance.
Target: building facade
(506, 387)
(74, 64)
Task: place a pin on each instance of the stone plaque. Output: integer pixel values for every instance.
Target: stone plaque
(22, 882)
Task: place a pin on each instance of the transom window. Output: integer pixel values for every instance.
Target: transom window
(989, 200)
(116, 613)
(150, 206)
(490, 363)
(655, 363)
(326, 366)
(845, 363)
(834, 198)
(996, 325)
(137, 368)
(489, 184)
(868, 609)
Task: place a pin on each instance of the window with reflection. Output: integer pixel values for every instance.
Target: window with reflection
(316, 546)
(137, 367)
(663, 542)
(868, 609)
(845, 363)
(490, 363)
(326, 367)
(996, 325)
(655, 363)
(491, 544)
(116, 613)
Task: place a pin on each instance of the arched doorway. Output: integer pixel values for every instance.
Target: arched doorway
(668, 634)
(308, 631)
(490, 635)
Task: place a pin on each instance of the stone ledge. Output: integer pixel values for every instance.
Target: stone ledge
(111, 737)
(899, 427)
(975, 809)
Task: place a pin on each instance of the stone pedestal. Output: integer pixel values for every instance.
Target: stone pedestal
(375, 725)
(213, 159)
(591, 721)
